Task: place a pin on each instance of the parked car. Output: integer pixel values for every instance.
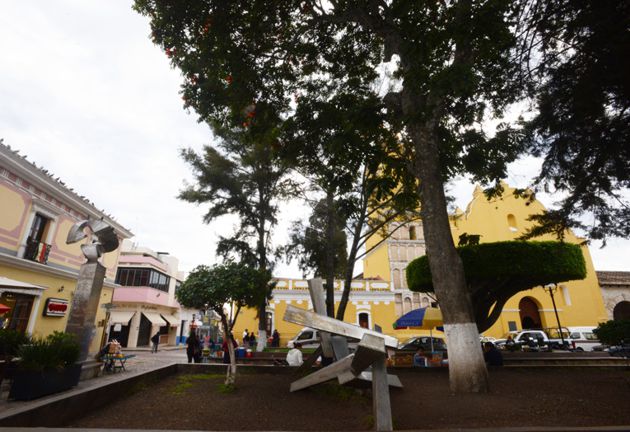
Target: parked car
(307, 337)
(537, 340)
(424, 342)
(583, 338)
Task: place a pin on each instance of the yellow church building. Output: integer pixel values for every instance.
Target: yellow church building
(382, 295)
(38, 270)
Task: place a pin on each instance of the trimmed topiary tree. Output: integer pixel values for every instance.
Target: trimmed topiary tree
(497, 271)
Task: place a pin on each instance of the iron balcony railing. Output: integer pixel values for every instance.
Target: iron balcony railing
(37, 251)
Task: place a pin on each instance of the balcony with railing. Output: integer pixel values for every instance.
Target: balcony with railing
(37, 251)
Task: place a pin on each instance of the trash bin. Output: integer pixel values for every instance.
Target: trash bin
(240, 352)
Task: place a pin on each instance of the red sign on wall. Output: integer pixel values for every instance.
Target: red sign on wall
(55, 307)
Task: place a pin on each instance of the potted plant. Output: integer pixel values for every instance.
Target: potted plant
(10, 342)
(46, 366)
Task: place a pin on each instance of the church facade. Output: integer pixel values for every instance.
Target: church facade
(382, 295)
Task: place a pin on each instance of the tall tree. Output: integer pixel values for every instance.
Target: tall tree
(579, 54)
(247, 180)
(308, 243)
(452, 65)
(214, 288)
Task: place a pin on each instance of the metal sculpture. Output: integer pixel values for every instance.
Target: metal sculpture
(102, 239)
(370, 354)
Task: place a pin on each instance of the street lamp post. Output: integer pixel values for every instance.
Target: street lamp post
(551, 288)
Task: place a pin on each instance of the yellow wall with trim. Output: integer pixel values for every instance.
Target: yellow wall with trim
(490, 220)
(16, 208)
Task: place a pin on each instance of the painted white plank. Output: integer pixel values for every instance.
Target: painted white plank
(324, 374)
(306, 318)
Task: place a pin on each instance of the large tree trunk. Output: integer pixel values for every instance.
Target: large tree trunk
(261, 249)
(352, 258)
(330, 254)
(467, 368)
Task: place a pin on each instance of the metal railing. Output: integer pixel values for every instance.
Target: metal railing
(37, 251)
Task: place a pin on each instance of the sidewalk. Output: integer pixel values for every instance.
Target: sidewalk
(143, 362)
(160, 348)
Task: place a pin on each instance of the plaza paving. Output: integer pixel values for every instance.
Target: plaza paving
(143, 362)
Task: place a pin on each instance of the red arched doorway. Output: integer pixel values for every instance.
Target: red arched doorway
(528, 311)
(622, 311)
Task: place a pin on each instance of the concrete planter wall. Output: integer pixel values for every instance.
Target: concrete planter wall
(27, 385)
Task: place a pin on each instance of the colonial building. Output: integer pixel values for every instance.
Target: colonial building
(579, 303)
(144, 303)
(38, 270)
(382, 296)
(615, 287)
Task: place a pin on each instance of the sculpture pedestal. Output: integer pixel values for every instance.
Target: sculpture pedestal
(85, 305)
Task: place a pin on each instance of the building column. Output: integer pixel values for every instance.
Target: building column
(134, 328)
(34, 314)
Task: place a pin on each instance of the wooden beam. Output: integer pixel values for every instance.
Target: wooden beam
(316, 289)
(324, 374)
(381, 406)
(306, 318)
(370, 349)
(346, 377)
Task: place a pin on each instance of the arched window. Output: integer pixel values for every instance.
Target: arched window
(512, 223)
(406, 305)
(397, 278)
(364, 320)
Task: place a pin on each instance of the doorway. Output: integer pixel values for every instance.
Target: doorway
(528, 311)
(622, 311)
(144, 332)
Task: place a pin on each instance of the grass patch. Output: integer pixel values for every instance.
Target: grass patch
(339, 392)
(185, 382)
(226, 388)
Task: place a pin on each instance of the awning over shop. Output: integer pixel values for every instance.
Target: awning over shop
(121, 317)
(174, 322)
(20, 287)
(155, 318)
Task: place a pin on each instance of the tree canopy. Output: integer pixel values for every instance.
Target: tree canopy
(232, 285)
(220, 285)
(577, 53)
(251, 60)
(497, 271)
(308, 243)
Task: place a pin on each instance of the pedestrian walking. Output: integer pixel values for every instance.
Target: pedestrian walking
(192, 347)
(155, 340)
(275, 339)
(252, 340)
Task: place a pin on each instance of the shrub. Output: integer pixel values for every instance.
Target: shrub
(56, 351)
(613, 332)
(10, 342)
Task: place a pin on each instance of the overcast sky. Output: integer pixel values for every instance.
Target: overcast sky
(85, 94)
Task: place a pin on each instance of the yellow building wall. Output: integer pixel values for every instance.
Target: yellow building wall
(376, 263)
(491, 220)
(60, 288)
(15, 210)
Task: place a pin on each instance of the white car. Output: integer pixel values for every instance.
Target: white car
(583, 338)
